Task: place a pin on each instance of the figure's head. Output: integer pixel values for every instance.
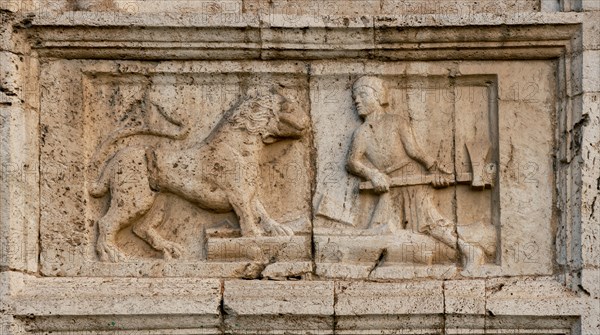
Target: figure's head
(270, 115)
(369, 95)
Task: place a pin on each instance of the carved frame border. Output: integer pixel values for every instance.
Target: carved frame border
(31, 303)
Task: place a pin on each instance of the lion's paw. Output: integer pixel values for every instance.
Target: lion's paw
(108, 252)
(172, 250)
(274, 228)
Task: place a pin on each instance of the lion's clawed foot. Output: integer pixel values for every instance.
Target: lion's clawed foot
(172, 250)
(108, 252)
(274, 228)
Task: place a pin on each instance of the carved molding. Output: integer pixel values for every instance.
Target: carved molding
(77, 35)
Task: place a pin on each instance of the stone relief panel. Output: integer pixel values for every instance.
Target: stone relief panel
(412, 184)
(387, 175)
(241, 169)
(163, 172)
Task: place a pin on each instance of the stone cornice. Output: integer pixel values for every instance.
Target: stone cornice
(428, 37)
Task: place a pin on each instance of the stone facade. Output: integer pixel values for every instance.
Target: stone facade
(312, 167)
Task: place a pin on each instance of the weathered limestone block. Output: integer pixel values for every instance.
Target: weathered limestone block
(122, 305)
(296, 306)
(537, 297)
(313, 8)
(464, 297)
(590, 5)
(591, 28)
(364, 306)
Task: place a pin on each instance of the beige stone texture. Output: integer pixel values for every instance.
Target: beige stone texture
(356, 298)
(293, 9)
(464, 297)
(296, 306)
(98, 304)
(590, 5)
(591, 29)
(299, 167)
(363, 307)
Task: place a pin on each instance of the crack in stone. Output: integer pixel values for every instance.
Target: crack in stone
(223, 309)
(379, 262)
(593, 205)
(445, 310)
(586, 292)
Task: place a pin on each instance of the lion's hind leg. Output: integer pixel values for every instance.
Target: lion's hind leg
(109, 225)
(106, 245)
(145, 228)
(131, 198)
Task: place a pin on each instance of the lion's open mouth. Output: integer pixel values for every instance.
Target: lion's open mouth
(294, 125)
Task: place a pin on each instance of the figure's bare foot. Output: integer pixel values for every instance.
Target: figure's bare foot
(444, 232)
(473, 257)
(169, 249)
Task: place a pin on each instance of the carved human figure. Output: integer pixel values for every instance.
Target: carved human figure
(385, 143)
(197, 174)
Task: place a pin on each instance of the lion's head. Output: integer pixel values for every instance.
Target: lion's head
(270, 115)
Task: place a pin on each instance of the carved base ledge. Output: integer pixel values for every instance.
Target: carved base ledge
(192, 306)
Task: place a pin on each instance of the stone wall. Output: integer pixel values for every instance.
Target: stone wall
(313, 167)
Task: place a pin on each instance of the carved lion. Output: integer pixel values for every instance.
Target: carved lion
(198, 175)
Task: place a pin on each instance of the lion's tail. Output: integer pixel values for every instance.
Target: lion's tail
(101, 186)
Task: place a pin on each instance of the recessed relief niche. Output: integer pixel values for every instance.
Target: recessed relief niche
(289, 169)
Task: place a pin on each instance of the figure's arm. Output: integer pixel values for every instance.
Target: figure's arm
(356, 166)
(414, 150)
(412, 147)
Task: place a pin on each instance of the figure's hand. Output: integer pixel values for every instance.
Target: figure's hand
(381, 183)
(440, 181)
(442, 176)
